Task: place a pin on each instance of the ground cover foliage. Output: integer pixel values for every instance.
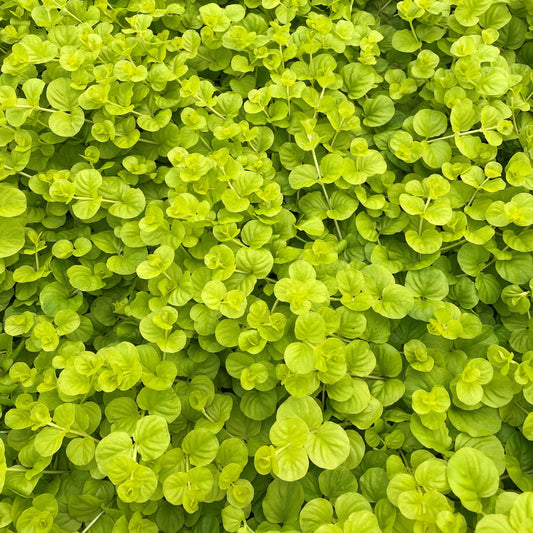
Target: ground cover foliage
(266, 266)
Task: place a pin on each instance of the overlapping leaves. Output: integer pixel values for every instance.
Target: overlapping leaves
(266, 266)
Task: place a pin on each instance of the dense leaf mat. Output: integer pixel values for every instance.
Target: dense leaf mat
(266, 266)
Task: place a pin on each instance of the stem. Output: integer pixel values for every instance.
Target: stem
(18, 171)
(473, 197)
(206, 414)
(185, 250)
(103, 200)
(18, 468)
(301, 240)
(212, 109)
(326, 193)
(233, 189)
(404, 459)
(319, 100)
(453, 245)
(68, 12)
(492, 261)
(413, 31)
(73, 431)
(166, 340)
(514, 122)
(521, 408)
(421, 223)
(461, 134)
(336, 133)
(205, 58)
(92, 522)
(283, 448)
(86, 395)
(205, 143)
(384, 6)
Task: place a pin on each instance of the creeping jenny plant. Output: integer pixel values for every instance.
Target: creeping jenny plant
(266, 265)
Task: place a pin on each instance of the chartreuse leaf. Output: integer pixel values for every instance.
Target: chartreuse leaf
(472, 476)
(11, 236)
(282, 501)
(114, 444)
(429, 123)
(363, 521)
(329, 446)
(290, 464)
(151, 436)
(395, 302)
(12, 201)
(188, 488)
(314, 514)
(305, 408)
(67, 124)
(201, 446)
(80, 451)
